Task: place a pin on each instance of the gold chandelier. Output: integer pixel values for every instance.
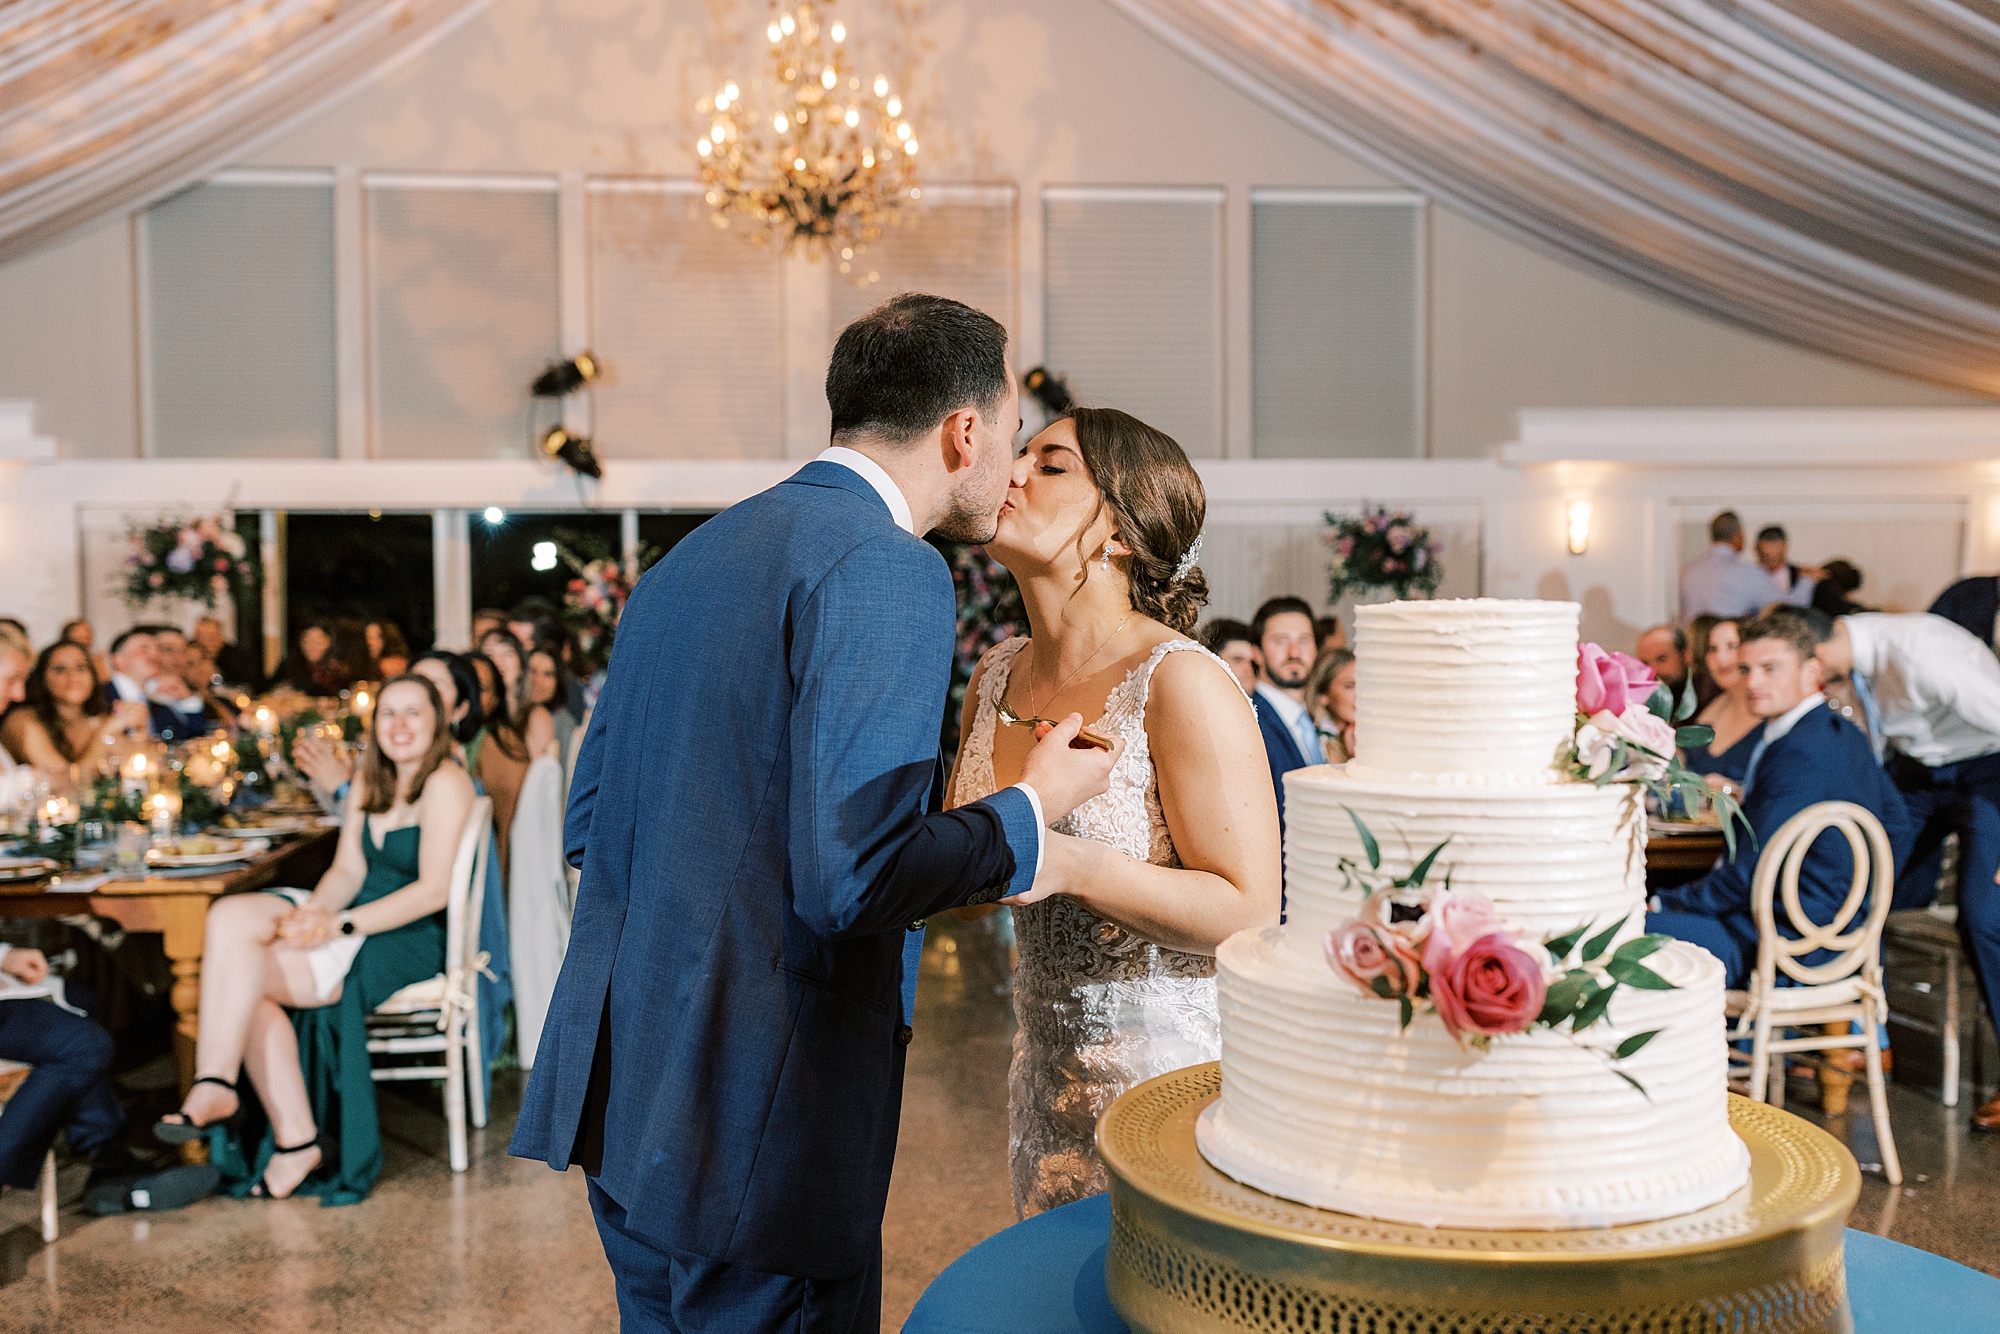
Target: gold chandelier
(818, 156)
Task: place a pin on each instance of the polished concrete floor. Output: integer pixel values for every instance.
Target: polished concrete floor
(509, 1246)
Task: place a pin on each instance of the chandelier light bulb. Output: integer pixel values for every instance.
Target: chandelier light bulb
(798, 164)
(839, 32)
(903, 130)
(853, 118)
(895, 106)
(773, 32)
(731, 92)
(828, 78)
(867, 159)
(715, 133)
(881, 86)
(779, 123)
(787, 25)
(703, 147)
(910, 148)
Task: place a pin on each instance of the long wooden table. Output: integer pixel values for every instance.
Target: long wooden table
(178, 910)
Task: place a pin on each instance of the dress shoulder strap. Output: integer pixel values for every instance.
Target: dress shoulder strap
(997, 667)
(1158, 655)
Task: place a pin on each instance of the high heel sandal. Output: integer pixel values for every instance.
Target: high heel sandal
(262, 1190)
(185, 1131)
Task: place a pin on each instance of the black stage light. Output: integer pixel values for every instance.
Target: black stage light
(1051, 391)
(565, 377)
(574, 450)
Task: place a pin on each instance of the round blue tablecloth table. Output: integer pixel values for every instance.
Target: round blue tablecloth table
(1046, 1276)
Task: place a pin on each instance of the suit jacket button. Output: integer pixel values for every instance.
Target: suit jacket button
(917, 925)
(905, 1035)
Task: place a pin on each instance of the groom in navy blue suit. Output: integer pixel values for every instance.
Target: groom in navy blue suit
(1809, 754)
(755, 814)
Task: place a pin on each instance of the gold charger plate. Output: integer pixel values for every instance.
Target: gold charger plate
(1192, 1250)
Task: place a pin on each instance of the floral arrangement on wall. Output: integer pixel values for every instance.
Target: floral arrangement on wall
(197, 560)
(1381, 549)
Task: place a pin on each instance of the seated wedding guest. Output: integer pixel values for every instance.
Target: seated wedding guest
(1286, 639)
(517, 734)
(198, 669)
(491, 702)
(1808, 754)
(136, 679)
(312, 668)
(534, 622)
(1738, 726)
(69, 1092)
(1722, 583)
(234, 664)
(373, 925)
(177, 689)
(1973, 603)
(14, 668)
(531, 620)
(1664, 648)
(547, 686)
(79, 631)
(1795, 582)
(66, 719)
(1930, 691)
(388, 652)
(1330, 633)
(485, 621)
(1330, 697)
(1833, 595)
(1235, 643)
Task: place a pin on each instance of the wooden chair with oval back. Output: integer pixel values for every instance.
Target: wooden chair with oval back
(1822, 1002)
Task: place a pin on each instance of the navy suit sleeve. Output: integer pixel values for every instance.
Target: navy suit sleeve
(871, 658)
(1782, 790)
(583, 791)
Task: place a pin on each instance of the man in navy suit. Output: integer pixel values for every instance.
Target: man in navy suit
(755, 814)
(173, 712)
(1809, 754)
(1285, 635)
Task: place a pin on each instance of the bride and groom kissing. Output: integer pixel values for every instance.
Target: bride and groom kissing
(760, 816)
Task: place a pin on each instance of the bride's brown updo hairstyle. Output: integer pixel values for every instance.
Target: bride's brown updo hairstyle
(1156, 498)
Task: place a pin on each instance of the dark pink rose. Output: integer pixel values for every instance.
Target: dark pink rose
(1607, 682)
(1491, 987)
(1457, 918)
(1360, 953)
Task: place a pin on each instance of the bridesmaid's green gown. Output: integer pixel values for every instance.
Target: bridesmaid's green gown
(333, 1044)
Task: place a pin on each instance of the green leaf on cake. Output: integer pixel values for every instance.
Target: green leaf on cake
(1409, 1010)
(1634, 1083)
(1695, 734)
(1635, 974)
(1593, 1007)
(1639, 947)
(1564, 995)
(1380, 986)
(1368, 844)
(1421, 869)
(1661, 702)
(1597, 944)
(1630, 1046)
(1560, 947)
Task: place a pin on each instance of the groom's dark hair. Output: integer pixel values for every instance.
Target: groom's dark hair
(901, 368)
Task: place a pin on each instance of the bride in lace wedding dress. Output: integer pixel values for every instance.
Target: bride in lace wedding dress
(1116, 982)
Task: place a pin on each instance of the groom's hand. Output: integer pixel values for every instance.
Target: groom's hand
(1063, 776)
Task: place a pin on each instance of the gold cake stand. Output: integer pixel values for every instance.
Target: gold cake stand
(1193, 1252)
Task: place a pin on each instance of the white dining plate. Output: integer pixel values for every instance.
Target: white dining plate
(236, 850)
(26, 868)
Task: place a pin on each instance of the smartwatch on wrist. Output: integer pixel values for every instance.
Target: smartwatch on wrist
(347, 925)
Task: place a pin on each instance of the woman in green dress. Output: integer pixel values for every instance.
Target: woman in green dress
(288, 978)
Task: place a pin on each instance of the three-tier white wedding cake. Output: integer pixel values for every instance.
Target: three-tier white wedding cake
(1467, 717)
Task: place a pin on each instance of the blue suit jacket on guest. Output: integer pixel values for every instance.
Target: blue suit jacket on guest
(168, 724)
(752, 810)
(1823, 758)
(1281, 748)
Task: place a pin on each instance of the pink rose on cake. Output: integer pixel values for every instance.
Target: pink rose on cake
(1456, 920)
(1491, 987)
(1597, 743)
(1610, 682)
(1361, 953)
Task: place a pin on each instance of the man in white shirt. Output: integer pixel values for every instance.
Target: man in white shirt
(1931, 693)
(1722, 583)
(172, 710)
(1795, 582)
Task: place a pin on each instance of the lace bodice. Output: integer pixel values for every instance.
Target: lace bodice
(1099, 1008)
(1058, 936)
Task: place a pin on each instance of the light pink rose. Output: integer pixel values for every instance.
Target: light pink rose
(1597, 742)
(1361, 953)
(1491, 987)
(1610, 681)
(1457, 918)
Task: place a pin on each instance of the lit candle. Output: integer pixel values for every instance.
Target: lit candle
(266, 724)
(361, 704)
(163, 818)
(134, 775)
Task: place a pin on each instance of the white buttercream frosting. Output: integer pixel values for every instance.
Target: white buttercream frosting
(1464, 707)
(1479, 686)
(1326, 1102)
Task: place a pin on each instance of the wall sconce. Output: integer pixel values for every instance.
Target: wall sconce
(1578, 515)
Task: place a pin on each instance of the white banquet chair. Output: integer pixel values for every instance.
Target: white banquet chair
(441, 1014)
(540, 901)
(1831, 996)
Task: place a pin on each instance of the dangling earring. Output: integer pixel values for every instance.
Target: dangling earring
(1105, 559)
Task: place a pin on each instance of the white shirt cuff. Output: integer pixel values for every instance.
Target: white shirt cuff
(1041, 826)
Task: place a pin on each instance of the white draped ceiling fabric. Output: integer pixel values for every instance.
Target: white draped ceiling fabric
(106, 104)
(1827, 171)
